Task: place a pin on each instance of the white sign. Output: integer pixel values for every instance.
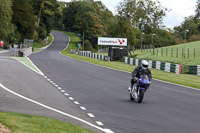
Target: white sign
(112, 41)
(15, 46)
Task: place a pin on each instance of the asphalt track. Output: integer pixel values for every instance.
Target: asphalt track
(102, 91)
(166, 108)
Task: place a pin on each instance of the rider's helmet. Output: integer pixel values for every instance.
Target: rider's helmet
(145, 64)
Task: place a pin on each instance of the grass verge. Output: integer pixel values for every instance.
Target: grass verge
(19, 123)
(41, 44)
(27, 62)
(182, 79)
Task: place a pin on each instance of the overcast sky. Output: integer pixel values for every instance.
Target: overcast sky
(179, 9)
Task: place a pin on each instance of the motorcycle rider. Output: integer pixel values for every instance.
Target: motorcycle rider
(140, 70)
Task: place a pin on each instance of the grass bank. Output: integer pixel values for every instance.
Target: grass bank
(42, 44)
(19, 123)
(182, 79)
(174, 54)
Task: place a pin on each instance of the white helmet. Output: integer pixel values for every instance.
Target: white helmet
(145, 64)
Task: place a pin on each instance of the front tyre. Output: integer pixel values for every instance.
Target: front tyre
(141, 96)
(131, 97)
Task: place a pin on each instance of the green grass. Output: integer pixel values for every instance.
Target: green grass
(170, 54)
(74, 39)
(40, 44)
(19, 123)
(181, 79)
(27, 62)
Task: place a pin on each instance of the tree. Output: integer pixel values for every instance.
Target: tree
(46, 12)
(23, 18)
(6, 27)
(143, 14)
(81, 16)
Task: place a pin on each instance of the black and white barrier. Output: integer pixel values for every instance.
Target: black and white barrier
(168, 67)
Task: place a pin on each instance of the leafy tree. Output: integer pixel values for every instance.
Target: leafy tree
(6, 27)
(143, 14)
(23, 18)
(81, 16)
(46, 12)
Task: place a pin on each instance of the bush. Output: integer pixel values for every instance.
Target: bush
(88, 46)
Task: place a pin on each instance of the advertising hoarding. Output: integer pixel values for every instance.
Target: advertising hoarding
(112, 41)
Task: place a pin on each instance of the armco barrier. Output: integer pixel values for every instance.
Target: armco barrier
(93, 55)
(195, 69)
(168, 67)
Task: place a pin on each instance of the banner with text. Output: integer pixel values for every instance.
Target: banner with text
(112, 41)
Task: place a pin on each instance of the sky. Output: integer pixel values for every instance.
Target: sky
(179, 10)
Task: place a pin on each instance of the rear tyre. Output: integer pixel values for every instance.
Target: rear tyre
(141, 96)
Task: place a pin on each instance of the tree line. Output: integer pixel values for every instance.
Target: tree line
(189, 28)
(30, 19)
(140, 21)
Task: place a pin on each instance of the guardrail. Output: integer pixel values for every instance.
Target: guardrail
(194, 69)
(165, 66)
(91, 55)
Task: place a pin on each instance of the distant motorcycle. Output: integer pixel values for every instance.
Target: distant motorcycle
(139, 88)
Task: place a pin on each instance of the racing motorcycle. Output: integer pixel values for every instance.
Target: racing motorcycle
(139, 88)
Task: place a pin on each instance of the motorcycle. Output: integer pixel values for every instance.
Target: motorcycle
(139, 88)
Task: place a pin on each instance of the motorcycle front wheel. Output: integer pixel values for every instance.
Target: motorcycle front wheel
(140, 96)
(131, 97)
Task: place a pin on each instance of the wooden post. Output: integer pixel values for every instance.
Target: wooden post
(157, 51)
(182, 53)
(172, 52)
(166, 51)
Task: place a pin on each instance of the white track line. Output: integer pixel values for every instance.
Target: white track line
(53, 109)
(66, 94)
(90, 115)
(71, 98)
(63, 91)
(59, 88)
(83, 108)
(36, 67)
(99, 123)
(76, 102)
(38, 71)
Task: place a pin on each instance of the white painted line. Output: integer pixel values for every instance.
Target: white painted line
(71, 98)
(108, 131)
(66, 94)
(62, 91)
(56, 85)
(83, 108)
(38, 72)
(45, 77)
(99, 123)
(53, 83)
(35, 67)
(49, 79)
(90, 115)
(53, 109)
(76, 102)
(59, 88)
